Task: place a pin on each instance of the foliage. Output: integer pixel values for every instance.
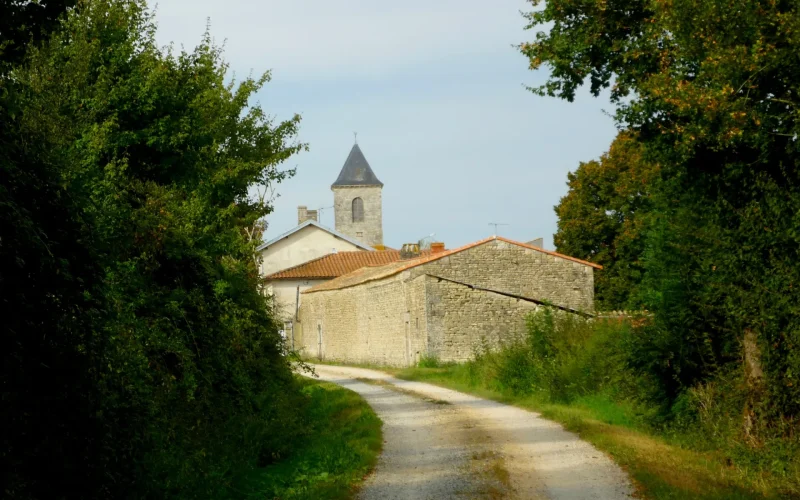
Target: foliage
(710, 88)
(341, 446)
(562, 357)
(429, 361)
(588, 376)
(23, 22)
(139, 357)
(602, 219)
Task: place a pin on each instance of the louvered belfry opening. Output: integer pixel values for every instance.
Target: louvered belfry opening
(358, 210)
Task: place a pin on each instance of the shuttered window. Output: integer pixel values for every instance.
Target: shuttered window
(358, 210)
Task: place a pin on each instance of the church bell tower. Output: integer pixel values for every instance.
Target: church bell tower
(357, 204)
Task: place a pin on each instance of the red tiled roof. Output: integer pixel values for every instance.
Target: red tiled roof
(337, 264)
(363, 275)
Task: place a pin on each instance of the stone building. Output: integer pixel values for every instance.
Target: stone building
(285, 285)
(358, 215)
(357, 204)
(441, 305)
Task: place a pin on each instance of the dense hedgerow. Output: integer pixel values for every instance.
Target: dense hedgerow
(603, 364)
(139, 357)
(709, 93)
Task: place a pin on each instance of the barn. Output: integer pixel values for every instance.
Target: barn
(441, 305)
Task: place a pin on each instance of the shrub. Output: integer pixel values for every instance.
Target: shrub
(139, 357)
(429, 361)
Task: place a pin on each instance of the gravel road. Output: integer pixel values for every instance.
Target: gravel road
(440, 443)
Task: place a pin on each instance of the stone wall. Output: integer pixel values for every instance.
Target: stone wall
(370, 230)
(444, 308)
(461, 318)
(381, 322)
(508, 268)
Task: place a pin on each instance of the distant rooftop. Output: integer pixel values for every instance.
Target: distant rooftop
(356, 171)
(363, 275)
(312, 222)
(337, 264)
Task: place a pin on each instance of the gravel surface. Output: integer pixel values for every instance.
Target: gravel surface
(440, 443)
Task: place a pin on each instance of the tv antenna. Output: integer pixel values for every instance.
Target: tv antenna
(426, 241)
(496, 225)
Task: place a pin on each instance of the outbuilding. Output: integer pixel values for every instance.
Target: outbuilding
(443, 305)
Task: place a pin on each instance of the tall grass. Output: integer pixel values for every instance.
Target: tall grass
(340, 446)
(586, 374)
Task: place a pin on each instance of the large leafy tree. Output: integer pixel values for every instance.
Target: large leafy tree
(711, 88)
(603, 218)
(140, 358)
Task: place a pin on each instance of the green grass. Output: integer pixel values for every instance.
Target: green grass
(662, 467)
(340, 448)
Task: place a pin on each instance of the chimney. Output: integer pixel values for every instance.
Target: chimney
(437, 247)
(304, 214)
(409, 251)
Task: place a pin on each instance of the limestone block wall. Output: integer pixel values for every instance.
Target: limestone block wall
(370, 230)
(444, 308)
(284, 295)
(381, 322)
(509, 268)
(461, 318)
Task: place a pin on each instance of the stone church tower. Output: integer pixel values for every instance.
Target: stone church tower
(357, 202)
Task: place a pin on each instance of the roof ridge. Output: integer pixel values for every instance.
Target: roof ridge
(304, 263)
(550, 252)
(411, 263)
(312, 222)
(335, 264)
(433, 257)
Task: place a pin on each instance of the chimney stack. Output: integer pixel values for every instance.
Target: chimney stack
(409, 251)
(304, 214)
(437, 247)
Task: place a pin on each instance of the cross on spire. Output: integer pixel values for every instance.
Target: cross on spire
(355, 137)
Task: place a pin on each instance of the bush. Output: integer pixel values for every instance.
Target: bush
(429, 361)
(599, 365)
(139, 356)
(562, 357)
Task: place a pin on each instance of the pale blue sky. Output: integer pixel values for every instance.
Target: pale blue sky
(436, 93)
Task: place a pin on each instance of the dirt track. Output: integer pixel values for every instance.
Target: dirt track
(440, 443)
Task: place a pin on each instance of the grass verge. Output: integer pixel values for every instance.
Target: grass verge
(660, 467)
(341, 446)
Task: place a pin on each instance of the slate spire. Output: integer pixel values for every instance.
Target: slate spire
(356, 171)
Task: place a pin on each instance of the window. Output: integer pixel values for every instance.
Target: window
(359, 235)
(358, 210)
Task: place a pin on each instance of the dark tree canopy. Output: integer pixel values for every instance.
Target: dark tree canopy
(602, 219)
(139, 358)
(710, 88)
(25, 22)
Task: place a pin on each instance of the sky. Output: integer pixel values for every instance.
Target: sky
(437, 93)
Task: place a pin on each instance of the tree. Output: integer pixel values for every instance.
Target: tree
(710, 87)
(142, 360)
(23, 22)
(603, 217)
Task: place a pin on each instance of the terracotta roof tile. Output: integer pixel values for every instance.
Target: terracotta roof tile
(376, 273)
(336, 264)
